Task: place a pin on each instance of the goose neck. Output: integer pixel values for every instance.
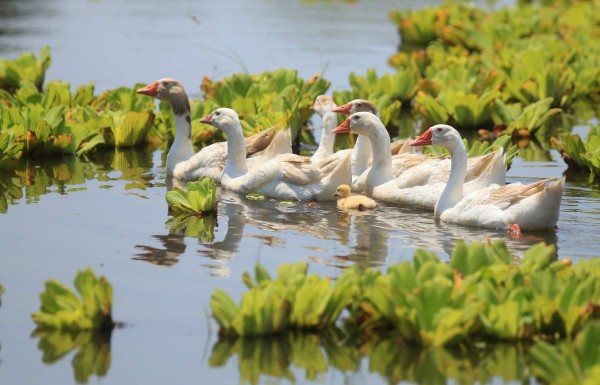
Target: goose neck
(236, 150)
(453, 192)
(327, 138)
(381, 168)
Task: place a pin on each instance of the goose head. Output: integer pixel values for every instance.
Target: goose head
(357, 105)
(440, 135)
(223, 118)
(323, 104)
(361, 123)
(167, 89)
(343, 191)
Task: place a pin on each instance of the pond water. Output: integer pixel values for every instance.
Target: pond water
(109, 212)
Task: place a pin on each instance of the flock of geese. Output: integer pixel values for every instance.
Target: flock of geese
(460, 190)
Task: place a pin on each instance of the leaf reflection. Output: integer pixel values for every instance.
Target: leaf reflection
(286, 356)
(92, 356)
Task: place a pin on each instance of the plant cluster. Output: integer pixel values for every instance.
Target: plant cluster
(193, 209)
(276, 98)
(477, 69)
(292, 301)
(581, 155)
(479, 295)
(61, 309)
(26, 68)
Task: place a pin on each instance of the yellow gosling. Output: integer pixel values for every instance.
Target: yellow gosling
(346, 201)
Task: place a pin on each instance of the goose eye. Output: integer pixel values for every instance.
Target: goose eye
(217, 113)
(359, 105)
(439, 129)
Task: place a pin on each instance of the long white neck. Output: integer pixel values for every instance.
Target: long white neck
(327, 138)
(381, 169)
(361, 154)
(236, 150)
(453, 192)
(181, 149)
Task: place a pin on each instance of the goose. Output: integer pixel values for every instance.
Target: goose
(380, 182)
(347, 201)
(182, 162)
(516, 206)
(324, 105)
(417, 169)
(285, 176)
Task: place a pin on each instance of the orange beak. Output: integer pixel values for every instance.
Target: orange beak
(312, 107)
(423, 140)
(207, 119)
(342, 128)
(151, 90)
(345, 109)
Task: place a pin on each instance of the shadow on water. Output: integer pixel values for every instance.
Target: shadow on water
(310, 356)
(92, 351)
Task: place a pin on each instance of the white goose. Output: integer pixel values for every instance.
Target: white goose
(286, 176)
(380, 182)
(324, 105)
(416, 169)
(183, 163)
(516, 206)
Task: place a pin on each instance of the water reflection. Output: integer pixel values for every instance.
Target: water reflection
(92, 355)
(294, 355)
(32, 177)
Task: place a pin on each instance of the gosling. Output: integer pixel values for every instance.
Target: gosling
(346, 201)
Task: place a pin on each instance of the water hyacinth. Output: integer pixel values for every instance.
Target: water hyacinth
(581, 155)
(26, 68)
(61, 309)
(479, 295)
(292, 301)
(199, 198)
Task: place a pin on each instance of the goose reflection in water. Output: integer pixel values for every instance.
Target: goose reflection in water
(336, 238)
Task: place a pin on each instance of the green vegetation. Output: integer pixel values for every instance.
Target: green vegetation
(479, 296)
(61, 309)
(581, 155)
(292, 301)
(193, 209)
(26, 68)
(482, 69)
(269, 99)
(92, 355)
(199, 199)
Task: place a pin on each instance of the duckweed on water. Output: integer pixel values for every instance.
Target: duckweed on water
(479, 295)
(61, 309)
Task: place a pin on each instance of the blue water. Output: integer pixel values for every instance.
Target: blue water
(112, 215)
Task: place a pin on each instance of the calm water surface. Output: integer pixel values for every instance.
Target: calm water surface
(62, 215)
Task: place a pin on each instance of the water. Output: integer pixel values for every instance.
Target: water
(65, 214)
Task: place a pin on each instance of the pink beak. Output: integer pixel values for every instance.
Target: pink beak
(423, 140)
(345, 109)
(207, 119)
(151, 90)
(342, 128)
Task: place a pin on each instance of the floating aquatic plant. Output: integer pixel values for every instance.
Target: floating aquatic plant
(199, 199)
(479, 295)
(271, 93)
(61, 309)
(26, 68)
(194, 227)
(580, 154)
(92, 348)
(292, 301)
